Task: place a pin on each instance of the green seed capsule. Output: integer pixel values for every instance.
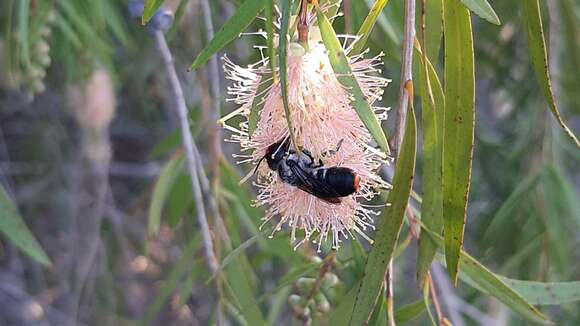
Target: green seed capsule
(294, 300)
(330, 280)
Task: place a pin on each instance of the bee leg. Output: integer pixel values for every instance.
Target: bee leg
(338, 145)
(333, 152)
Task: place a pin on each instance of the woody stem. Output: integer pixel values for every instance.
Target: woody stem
(303, 27)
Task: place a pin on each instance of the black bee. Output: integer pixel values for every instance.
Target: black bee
(300, 170)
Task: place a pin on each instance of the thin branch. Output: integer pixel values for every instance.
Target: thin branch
(406, 73)
(435, 299)
(214, 131)
(213, 206)
(325, 268)
(404, 98)
(448, 296)
(188, 146)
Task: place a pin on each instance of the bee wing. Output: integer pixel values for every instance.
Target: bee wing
(314, 186)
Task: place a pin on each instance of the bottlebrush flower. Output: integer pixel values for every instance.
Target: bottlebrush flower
(322, 117)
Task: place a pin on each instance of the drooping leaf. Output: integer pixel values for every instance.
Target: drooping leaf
(242, 292)
(283, 68)
(12, 226)
(491, 284)
(367, 26)
(474, 273)
(433, 29)
(232, 255)
(511, 204)
(269, 11)
(386, 25)
(344, 74)
(379, 315)
(432, 116)
(483, 9)
(84, 28)
(537, 49)
(389, 226)
(409, 312)
(161, 191)
(258, 103)
(343, 312)
(149, 10)
(459, 127)
(23, 22)
(180, 199)
(235, 25)
(427, 303)
(546, 293)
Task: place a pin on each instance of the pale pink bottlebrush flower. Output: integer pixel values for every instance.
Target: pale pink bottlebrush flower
(322, 116)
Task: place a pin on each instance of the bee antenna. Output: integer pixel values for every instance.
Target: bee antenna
(251, 173)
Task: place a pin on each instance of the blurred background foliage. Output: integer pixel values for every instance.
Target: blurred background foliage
(89, 159)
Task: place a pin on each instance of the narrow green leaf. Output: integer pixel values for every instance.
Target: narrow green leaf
(232, 255)
(433, 29)
(409, 312)
(235, 25)
(341, 67)
(367, 26)
(389, 226)
(162, 188)
(427, 303)
(459, 127)
(546, 293)
(114, 20)
(68, 32)
(258, 103)
(483, 9)
(283, 60)
(23, 22)
(186, 290)
(513, 203)
(379, 315)
(474, 273)
(432, 116)
(270, 36)
(149, 10)
(84, 28)
(240, 286)
(179, 200)
(343, 312)
(166, 145)
(277, 305)
(387, 25)
(537, 48)
(14, 229)
(491, 284)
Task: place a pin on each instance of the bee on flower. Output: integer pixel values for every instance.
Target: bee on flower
(319, 184)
